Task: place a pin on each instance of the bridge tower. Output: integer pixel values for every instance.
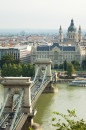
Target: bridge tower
(17, 85)
(43, 64)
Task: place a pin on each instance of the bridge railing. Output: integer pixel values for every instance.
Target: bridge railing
(35, 98)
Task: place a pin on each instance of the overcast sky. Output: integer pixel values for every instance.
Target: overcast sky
(42, 14)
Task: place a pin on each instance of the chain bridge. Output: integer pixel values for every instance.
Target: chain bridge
(21, 95)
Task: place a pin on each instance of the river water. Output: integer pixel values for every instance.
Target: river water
(68, 97)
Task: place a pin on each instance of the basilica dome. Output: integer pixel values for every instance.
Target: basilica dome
(72, 27)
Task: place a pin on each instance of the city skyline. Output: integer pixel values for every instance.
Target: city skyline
(41, 14)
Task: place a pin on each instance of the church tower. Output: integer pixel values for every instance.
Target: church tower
(60, 34)
(79, 34)
(72, 32)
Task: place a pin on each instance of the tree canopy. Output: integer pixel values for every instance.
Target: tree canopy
(15, 70)
(70, 69)
(76, 64)
(9, 59)
(65, 65)
(84, 64)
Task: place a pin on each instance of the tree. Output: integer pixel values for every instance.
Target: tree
(10, 70)
(84, 64)
(16, 61)
(70, 69)
(7, 59)
(31, 70)
(4, 70)
(71, 121)
(65, 65)
(19, 69)
(56, 66)
(76, 64)
(15, 71)
(25, 70)
(61, 66)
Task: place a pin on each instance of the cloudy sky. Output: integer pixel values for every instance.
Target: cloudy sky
(42, 14)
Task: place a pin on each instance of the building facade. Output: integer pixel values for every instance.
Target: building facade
(19, 52)
(67, 48)
(58, 53)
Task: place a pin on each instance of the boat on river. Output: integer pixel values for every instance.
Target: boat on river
(78, 82)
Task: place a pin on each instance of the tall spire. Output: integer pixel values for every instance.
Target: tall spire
(72, 22)
(60, 34)
(79, 34)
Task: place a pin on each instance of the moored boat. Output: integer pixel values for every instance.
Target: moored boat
(79, 82)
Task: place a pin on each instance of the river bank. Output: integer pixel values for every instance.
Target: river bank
(64, 80)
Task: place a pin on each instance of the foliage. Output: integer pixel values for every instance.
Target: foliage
(7, 59)
(76, 64)
(71, 121)
(65, 65)
(84, 64)
(70, 69)
(15, 70)
(4, 68)
(56, 66)
(30, 128)
(61, 66)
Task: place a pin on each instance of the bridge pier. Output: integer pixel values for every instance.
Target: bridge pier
(50, 88)
(30, 123)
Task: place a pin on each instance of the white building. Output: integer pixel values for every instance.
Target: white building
(19, 52)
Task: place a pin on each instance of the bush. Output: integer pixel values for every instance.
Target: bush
(71, 121)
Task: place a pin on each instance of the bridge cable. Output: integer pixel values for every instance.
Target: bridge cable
(17, 110)
(35, 77)
(44, 76)
(2, 109)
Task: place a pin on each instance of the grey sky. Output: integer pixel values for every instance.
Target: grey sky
(43, 14)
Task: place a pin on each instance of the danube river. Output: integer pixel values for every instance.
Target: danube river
(66, 98)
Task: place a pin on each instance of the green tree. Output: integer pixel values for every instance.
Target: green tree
(28, 70)
(25, 70)
(71, 121)
(76, 64)
(19, 69)
(84, 64)
(16, 61)
(70, 69)
(4, 70)
(56, 66)
(10, 70)
(7, 59)
(61, 66)
(15, 72)
(65, 65)
(31, 70)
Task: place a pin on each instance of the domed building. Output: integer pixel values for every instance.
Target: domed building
(72, 34)
(68, 48)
